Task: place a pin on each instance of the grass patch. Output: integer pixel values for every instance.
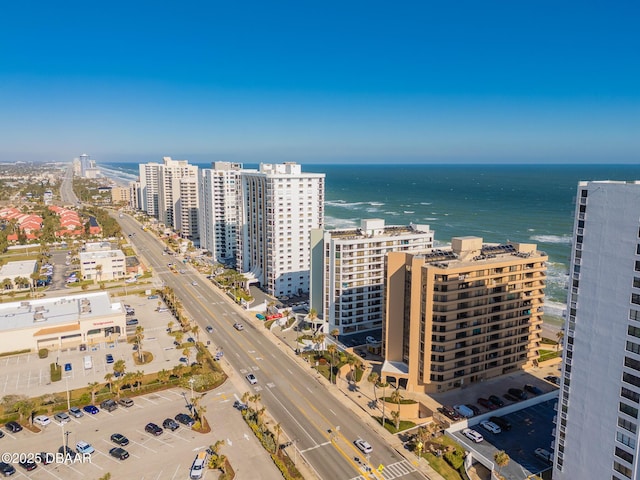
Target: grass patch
(438, 463)
(548, 341)
(16, 352)
(403, 401)
(545, 355)
(390, 425)
(56, 372)
(146, 358)
(268, 324)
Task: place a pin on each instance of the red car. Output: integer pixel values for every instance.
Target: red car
(486, 404)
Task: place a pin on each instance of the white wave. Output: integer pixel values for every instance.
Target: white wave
(394, 214)
(425, 203)
(552, 238)
(409, 211)
(376, 204)
(339, 223)
(343, 204)
(372, 210)
(554, 308)
(430, 219)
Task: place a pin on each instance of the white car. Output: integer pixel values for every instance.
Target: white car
(251, 378)
(61, 417)
(195, 284)
(84, 448)
(363, 446)
(472, 435)
(42, 420)
(238, 326)
(490, 427)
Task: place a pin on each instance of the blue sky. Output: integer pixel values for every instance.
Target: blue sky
(354, 81)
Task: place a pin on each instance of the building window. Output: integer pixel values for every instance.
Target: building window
(627, 425)
(634, 315)
(625, 440)
(631, 379)
(630, 394)
(635, 298)
(629, 410)
(633, 347)
(633, 331)
(622, 469)
(623, 454)
(631, 363)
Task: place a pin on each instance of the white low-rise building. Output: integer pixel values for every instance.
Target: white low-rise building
(103, 265)
(16, 270)
(58, 323)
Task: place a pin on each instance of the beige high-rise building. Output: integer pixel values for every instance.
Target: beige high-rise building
(463, 314)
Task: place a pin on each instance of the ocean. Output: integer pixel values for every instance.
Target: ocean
(522, 203)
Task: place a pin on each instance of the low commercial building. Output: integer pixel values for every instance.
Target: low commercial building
(58, 323)
(103, 265)
(13, 271)
(462, 315)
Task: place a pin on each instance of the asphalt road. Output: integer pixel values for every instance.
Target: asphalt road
(322, 429)
(66, 189)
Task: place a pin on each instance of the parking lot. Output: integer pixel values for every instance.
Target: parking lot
(28, 372)
(166, 456)
(532, 428)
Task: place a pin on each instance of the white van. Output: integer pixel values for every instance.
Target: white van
(463, 410)
(197, 468)
(88, 362)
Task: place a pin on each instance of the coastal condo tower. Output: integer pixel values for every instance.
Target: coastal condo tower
(347, 271)
(279, 205)
(463, 314)
(219, 190)
(598, 410)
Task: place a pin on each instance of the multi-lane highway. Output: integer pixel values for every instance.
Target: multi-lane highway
(322, 428)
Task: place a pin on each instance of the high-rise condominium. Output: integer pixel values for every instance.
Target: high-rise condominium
(347, 271)
(219, 189)
(463, 314)
(598, 409)
(278, 207)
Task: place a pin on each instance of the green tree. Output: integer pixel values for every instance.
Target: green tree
(396, 419)
(93, 388)
(502, 459)
(119, 367)
(139, 336)
(373, 379)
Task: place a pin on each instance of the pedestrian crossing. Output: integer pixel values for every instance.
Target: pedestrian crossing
(391, 471)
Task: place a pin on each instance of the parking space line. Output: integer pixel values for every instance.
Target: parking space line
(144, 446)
(148, 400)
(176, 472)
(166, 398)
(108, 456)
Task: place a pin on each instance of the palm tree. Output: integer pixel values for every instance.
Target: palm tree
(139, 336)
(335, 333)
(187, 353)
(179, 336)
(384, 386)
(109, 378)
(260, 414)
(373, 378)
(560, 337)
(351, 360)
(196, 332)
(215, 448)
(396, 398)
(278, 429)
(119, 367)
(502, 459)
(163, 376)
(332, 351)
(396, 419)
(138, 376)
(98, 271)
(319, 339)
(246, 396)
(94, 387)
(170, 326)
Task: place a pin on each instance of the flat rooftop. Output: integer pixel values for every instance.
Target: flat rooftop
(18, 269)
(50, 312)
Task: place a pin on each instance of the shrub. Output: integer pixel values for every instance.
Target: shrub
(56, 372)
(43, 353)
(455, 459)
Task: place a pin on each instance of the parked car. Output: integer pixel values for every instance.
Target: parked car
(42, 420)
(472, 435)
(198, 465)
(153, 429)
(13, 427)
(363, 446)
(502, 422)
(27, 464)
(7, 469)
(543, 454)
(171, 424)
(45, 458)
(490, 427)
(75, 412)
(510, 397)
(92, 409)
(449, 412)
(61, 417)
(109, 358)
(239, 405)
(496, 401)
(473, 408)
(119, 453)
(119, 439)
(553, 379)
(483, 402)
(185, 419)
(519, 394)
(84, 448)
(463, 410)
(109, 405)
(533, 389)
(126, 402)
(251, 378)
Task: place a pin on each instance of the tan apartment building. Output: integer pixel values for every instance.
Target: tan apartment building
(463, 314)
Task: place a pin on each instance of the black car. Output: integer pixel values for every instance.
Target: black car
(119, 453)
(519, 394)
(28, 465)
(502, 422)
(185, 419)
(450, 413)
(46, 458)
(6, 469)
(533, 389)
(510, 397)
(171, 424)
(153, 429)
(473, 408)
(119, 439)
(67, 451)
(13, 427)
(239, 405)
(496, 401)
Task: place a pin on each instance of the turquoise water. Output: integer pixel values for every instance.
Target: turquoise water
(523, 203)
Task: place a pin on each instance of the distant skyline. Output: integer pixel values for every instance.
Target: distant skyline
(350, 82)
